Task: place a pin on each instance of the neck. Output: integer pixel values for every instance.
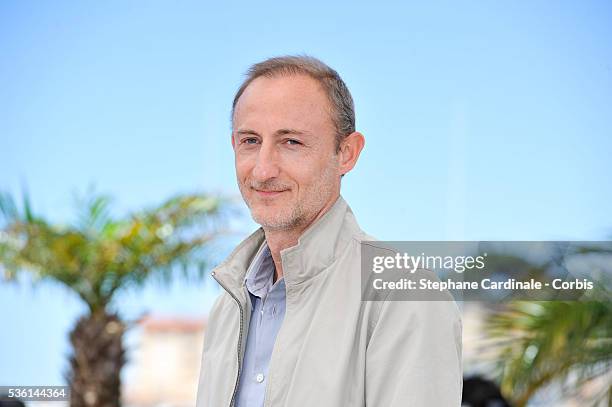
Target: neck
(279, 239)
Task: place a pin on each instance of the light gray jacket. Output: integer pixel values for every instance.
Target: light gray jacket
(333, 349)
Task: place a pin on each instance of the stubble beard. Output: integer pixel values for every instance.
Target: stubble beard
(302, 212)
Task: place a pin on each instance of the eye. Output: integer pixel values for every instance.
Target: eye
(249, 140)
(293, 142)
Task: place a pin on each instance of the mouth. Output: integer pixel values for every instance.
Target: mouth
(268, 193)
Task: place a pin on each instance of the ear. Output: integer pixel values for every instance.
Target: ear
(233, 141)
(350, 148)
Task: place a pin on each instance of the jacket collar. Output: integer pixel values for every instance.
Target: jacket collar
(317, 248)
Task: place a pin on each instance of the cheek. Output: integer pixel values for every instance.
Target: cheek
(303, 173)
(243, 167)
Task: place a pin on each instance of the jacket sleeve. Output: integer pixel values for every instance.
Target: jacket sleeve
(413, 358)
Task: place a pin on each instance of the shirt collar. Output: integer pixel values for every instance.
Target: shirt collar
(258, 279)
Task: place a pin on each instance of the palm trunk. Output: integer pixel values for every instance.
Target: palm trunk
(97, 359)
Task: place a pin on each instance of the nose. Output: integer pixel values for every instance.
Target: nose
(266, 166)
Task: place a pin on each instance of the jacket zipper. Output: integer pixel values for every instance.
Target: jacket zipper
(239, 338)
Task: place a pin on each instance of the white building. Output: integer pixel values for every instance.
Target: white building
(164, 366)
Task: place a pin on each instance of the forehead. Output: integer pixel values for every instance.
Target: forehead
(295, 101)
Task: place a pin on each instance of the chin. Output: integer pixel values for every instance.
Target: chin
(273, 219)
(266, 217)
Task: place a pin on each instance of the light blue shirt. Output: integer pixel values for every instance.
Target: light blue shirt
(267, 315)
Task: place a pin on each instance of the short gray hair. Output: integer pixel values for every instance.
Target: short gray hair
(341, 101)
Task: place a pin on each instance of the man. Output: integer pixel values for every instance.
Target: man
(290, 327)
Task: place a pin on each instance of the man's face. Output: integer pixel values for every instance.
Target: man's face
(285, 151)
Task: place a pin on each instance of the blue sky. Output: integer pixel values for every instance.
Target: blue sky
(483, 120)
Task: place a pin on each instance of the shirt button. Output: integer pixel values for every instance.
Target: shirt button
(259, 378)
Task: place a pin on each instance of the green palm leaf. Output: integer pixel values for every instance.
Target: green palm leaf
(95, 257)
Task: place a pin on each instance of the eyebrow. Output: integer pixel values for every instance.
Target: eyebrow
(279, 132)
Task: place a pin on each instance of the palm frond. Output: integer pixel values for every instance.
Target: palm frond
(546, 342)
(99, 254)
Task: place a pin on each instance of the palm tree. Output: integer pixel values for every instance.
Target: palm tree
(548, 342)
(563, 343)
(95, 257)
